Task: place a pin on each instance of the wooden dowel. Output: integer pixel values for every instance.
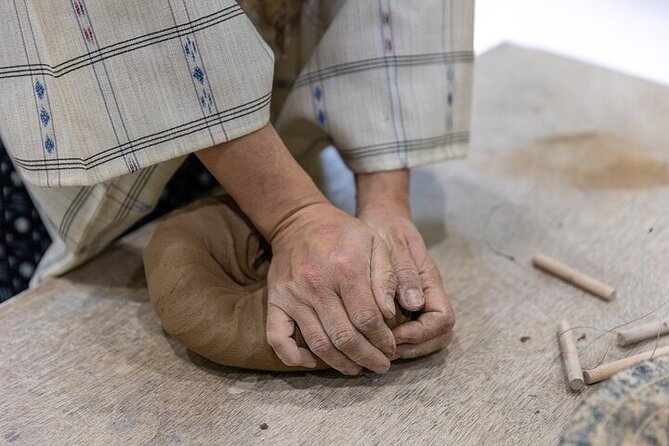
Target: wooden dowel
(570, 360)
(574, 277)
(605, 371)
(642, 332)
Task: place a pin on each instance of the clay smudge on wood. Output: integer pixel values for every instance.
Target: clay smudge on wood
(590, 160)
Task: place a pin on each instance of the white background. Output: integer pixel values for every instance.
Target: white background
(631, 36)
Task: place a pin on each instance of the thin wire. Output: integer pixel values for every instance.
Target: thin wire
(659, 333)
(650, 232)
(605, 332)
(488, 242)
(612, 329)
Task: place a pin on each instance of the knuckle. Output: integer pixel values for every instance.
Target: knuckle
(367, 320)
(320, 346)
(449, 322)
(342, 257)
(444, 324)
(441, 329)
(275, 291)
(285, 358)
(391, 280)
(347, 271)
(311, 275)
(431, 271)
(396, 236)
(278, 292)
(273, 339)
(413, 353)
(406, 272)
(344, 339)
(419, 333)
(423, 333)
(345, 264)
(348, 288)
(387, 279)
(438, 327)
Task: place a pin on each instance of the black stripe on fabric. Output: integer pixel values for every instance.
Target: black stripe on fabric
(158, 138)
(72, 211)
(410, 145)
(102, 54)
(71, 160)
(232, 112)
(383, 62)
(124, 208)
(128, 41)
(394, 144)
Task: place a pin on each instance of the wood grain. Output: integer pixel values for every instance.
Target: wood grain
(84, 360)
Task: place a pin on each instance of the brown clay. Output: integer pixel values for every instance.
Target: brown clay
(206, 268)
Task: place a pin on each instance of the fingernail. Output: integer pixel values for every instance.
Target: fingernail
(414, 298)
(311, 365)
(395, 356)
(390, 303)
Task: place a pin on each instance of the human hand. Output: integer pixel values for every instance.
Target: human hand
(331, 275)
(383, 204)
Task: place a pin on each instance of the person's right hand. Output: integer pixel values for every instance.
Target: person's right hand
(330, 273)
(332, 276)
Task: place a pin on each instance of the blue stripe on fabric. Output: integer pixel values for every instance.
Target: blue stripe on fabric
(97, 78)
(111, 87)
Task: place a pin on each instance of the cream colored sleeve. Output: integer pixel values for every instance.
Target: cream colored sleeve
(92, 90)
(389, 83)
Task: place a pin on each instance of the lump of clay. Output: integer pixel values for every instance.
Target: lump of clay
(206, 268)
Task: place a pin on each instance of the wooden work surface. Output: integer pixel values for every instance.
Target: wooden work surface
(566, 158)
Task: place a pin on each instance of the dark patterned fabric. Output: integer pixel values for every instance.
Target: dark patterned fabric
(24, 238)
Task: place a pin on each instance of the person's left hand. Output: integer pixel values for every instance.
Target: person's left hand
(420, 287)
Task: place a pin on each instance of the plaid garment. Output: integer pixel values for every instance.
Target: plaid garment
(23, 239)
(100, 101)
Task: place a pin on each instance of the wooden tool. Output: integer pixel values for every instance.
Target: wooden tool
(570, 360)
(605, 371)
(642, 332)
(574, 277)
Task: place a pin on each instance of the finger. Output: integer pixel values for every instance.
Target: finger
(319, 343)
(355, 289)
(409, 351)
(384, 281)
(437, 317)
(408, 280)
(280, 331)
(346, 338)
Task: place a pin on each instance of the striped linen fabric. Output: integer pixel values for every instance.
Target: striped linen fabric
(101, 101)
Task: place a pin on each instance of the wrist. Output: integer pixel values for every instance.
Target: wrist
(259, 172)
(295, 218)
(386, 191)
